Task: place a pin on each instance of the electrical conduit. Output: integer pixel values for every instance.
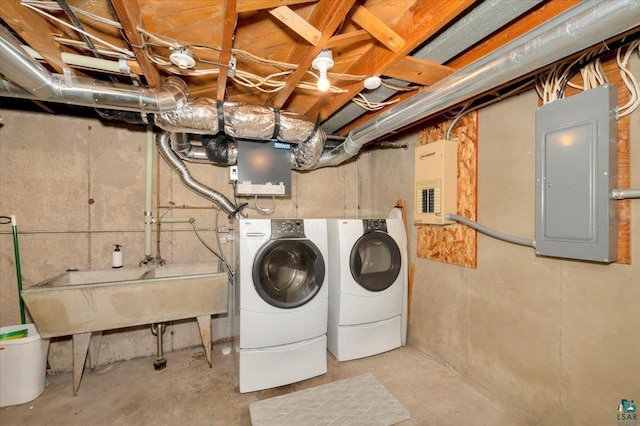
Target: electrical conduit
(490, 232)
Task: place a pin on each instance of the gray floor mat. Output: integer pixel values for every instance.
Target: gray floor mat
(360, 400)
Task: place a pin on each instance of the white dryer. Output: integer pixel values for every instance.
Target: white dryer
(367, 287)
(282, 301)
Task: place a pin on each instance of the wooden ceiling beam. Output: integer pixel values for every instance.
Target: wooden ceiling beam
(129, 16)
(253, 5)
(418, 71)
(327, 16)
(352, 37)
(378, 29)
(421, 21)
(229, 26)
(34, 30)
(296, 23)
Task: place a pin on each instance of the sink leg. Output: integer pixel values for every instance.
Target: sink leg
(94, 349)
(80, 348)
(204, 324)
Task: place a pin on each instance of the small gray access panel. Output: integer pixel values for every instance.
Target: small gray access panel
(264, 168)
(576, 169)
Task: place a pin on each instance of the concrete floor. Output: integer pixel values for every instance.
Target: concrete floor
(188, 392)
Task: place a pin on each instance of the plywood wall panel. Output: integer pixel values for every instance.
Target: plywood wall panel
(455, 244)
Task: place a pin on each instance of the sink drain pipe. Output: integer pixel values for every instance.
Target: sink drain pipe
(158, 330)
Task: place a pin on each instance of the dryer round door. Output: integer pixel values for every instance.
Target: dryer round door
(288, 273)
(375, 261)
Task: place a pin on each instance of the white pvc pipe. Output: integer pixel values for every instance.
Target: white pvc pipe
(85, 61)
(148, 190)
(176, 220)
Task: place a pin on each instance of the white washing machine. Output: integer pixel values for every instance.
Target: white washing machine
(367, 287)
(282, 302)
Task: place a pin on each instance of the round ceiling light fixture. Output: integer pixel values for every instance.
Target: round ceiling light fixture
(372, 83)
(182, 58)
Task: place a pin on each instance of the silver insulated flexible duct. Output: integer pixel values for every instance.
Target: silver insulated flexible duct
(584, 25)
(241, 121)
(163, 142)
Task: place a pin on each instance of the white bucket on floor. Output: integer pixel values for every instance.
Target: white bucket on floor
(23, 365)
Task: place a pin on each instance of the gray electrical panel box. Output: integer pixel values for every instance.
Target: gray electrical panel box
(576, 169)
(264, 168)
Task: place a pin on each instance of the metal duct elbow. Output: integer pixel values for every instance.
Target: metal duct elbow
(21, 69)
(39, 84)
(338, 155)
(192, 153)
(163, 142)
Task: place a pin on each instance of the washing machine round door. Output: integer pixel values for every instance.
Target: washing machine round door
(288, 273)
(375, 261)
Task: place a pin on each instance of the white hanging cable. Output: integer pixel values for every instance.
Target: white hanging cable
(364, 103)
(121, 50)
(50, 5)
(263, 210)
(467, 108)
(629, 80)
(550, 85)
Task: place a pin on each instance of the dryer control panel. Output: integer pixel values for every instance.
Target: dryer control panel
(374, 225)
(287, 228)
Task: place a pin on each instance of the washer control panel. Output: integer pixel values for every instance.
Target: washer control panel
(374, 225)
(287, 228)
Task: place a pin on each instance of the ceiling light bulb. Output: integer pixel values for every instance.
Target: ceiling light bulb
(322, 63)
(323, 82)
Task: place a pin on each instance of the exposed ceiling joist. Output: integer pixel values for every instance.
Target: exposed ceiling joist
(419, 71)
(351, 37)
(253, 5)
(130, 18)
(298, 24)
(228, 29)
(378, 29)
(33, 29)
(327, 16)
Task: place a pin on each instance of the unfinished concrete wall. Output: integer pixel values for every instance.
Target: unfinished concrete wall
(77, 185)
(556, 339)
